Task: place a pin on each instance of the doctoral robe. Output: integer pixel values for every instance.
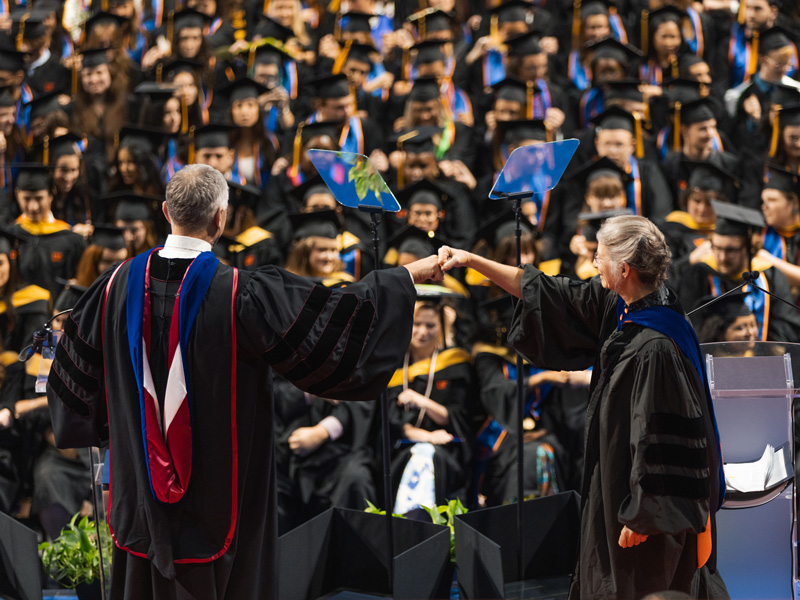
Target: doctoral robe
(220, 540)
(651, 458)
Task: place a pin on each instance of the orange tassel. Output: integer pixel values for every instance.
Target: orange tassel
(674, 62)
(251, 57)
(576, 23)
(645, 30)
(529, 99)
(751, 68)
(338, 65)
(190, 152)
(21, 32)
(104, 6)
(676, 125)
(170, 24)
(773, 148)
(494, 27)
(46, 150)
(296, 148)
(548, 134)
(742, 8)
(638, 135)
(265, 10)
(184, 116)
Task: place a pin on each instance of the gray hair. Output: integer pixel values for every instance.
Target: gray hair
(194, 194)
(637, 242)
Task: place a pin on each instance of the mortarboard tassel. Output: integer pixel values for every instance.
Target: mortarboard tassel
(46, 150)
(116, 141)
(21, 32)
(159, 72)
(773, 148)
(645, 30)
(576, 23)
(354, 99)
(337, 28)
(742, 8)
(494, 27)
(170, 25)
(548, 133)
(676, 126)
(637, 129)
(104, 5)
(334, 6)
(529, 99)
(297, 146)
(674, 63)
(751, 68)
(190, 152)
(265, 9)
(184, 115)
(401, 179)
(342, 58)
(251, 57)
(421, 26)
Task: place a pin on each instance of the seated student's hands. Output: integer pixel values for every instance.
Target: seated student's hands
(450, 258)
(752, 107)
(480, 49)
(396, 158)
(549, 44)
(554, 118)
(698, 254)
(379, 159)
(425, 269)
(458, 171)
(328, 47)
(6, 418)
(629, 538)
(383, 81)
(439, 437)
(305, 440)
(83, 229)
(281, 163)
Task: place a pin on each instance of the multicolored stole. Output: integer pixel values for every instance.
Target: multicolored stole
(494, 67)
(167, 437)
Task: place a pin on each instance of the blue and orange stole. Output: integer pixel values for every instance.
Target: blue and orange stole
(167, 434)
(675, 326)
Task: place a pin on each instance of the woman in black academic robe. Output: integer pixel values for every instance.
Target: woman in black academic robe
(430, 400)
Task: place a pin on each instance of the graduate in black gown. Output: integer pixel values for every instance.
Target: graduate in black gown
(199, 519)
(653, 475)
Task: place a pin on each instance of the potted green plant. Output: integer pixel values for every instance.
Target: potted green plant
(73, 558)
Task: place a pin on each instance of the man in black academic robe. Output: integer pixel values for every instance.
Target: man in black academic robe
(210, 532)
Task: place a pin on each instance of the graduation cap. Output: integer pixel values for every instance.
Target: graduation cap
(29, 25)
(610, 47)
(523, 130)
(733, 219)
(181, 65)
(428, 51)
(361, 52)
(213, 135)
(241, 89)
(69, 296)
(8, 241)
(595, 7)
(332, 129)
(774, 38)
(269, 52)
(133, 207)
(108, 236)
(502, 226)
(615, 117)
(145, 138)
(512, 89)
(45, 104)
(420, 140)
(778, 178)
(425, 89)
(431, 20)
(526, 44)
(32, 177)
(784, 115)
(103, 18)
(601, 167)
(424, 192)
(7, 96)
(511, 11)
(665, 14)
(593, 221)
(320, 223)
(310, 187)
(343, 549)
(684, 90)
(189, 18)
(623, 89)
(94, 57)
(267, 27)
(355, 22)
(12, 60)
(156, 91)
(708, 176)
(488, 544)
(49, 150)
(331, 86)
(785, 95)
(243, 195)
(692, 112)
(412, 240)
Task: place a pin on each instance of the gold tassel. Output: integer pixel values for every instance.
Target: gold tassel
(421, 27)
(46, 150)
(645, 30)
(742, 8)
(184, 115)
(334, 6)
(21, 32)
(104, 6)
(116, 141)
(251, 57)
(297, 146)
(548, 134)
(401, 179)
(529, 99)
(576, 23)
(190, 152)
(493, 28)
(637, 128)
(751, 68)
(337, 28)
(773, 148)
(265, 10)
(676, 126)
(354, 98)
(159, 72)
(170, 25)
(674, 62)
(342, 58)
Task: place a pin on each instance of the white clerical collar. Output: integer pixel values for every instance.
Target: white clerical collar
(181, 246)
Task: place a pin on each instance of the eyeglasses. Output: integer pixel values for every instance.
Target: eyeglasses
(598, 259)
(727, 249)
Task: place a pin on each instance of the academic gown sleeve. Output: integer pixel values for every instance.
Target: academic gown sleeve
(558, 322)
(669, 478)
(341, 344)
